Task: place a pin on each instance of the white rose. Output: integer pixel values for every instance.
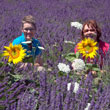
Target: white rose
(63, 67)
(78, 65)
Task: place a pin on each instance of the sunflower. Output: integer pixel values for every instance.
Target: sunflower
(87, 48)
(14, 53)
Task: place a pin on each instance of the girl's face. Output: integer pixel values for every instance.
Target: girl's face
(28, 30)
(89, 31)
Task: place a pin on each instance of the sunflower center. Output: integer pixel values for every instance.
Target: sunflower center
(88, 49)
(15, 53)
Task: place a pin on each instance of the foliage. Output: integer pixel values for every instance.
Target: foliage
(22, 89)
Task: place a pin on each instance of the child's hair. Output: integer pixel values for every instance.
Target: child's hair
(93, 24)
(29, 19)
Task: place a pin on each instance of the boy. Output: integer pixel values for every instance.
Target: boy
(28, 41)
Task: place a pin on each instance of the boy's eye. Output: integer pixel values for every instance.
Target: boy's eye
(31, 29)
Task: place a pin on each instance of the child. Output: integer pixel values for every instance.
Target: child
(27, 39)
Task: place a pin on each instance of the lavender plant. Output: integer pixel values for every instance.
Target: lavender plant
(47, 90)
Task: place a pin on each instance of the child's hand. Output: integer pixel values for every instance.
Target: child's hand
(23, 65)
(40, 68)
(91, 61)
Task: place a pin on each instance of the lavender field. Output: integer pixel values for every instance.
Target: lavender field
(49, 90)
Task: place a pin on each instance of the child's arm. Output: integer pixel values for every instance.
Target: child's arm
(39, 64)
(38, 61)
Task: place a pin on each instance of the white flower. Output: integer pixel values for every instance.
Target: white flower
(78, 65)
(69, 42)
(77, 25)
(76, 87)
(63, 67)
(87, 107)
(42, 48)
(68, 86)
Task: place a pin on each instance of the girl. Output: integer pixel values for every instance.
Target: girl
(92, 30)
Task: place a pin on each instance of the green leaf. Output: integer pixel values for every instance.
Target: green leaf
(95, 65)
(87, 68)
(60, 73)
(1, 64)
(70, 57)
(95, 69)
(90, 96)
(70, 54)
(89, 64)
(77, 54)
(16, 77)
(95, 89)
(32, 90)
(28, 59)
(1, 55)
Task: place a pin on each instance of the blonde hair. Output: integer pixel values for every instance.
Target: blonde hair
(29, 19)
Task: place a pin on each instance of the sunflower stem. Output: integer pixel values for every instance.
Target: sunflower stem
(33, 49)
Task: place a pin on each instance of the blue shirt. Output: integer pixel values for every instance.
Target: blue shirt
(34, 51)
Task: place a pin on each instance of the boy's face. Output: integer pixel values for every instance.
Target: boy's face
(29, 31)
(89, 32)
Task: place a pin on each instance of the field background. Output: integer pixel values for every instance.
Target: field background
(47, 90)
